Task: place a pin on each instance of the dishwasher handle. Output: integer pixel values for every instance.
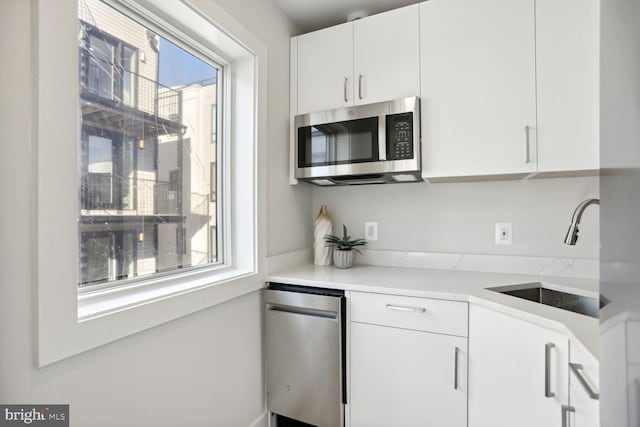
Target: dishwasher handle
(305, 311)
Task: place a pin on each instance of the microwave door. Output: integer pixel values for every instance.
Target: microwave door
(352, 141)
(319, 146)
(359, 145)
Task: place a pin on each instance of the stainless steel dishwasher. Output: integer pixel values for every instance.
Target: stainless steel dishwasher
(305, 355)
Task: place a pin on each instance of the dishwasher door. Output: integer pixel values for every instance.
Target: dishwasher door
(304, 356)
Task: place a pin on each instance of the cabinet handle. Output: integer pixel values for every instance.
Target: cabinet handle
(636, 383)
(346, 98)
(360, 86)
(566, 415)
(578, 369)
(527, 132)
(455, 368)
(547, 370)
(405, 308)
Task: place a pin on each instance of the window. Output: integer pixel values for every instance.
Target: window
(148, 195)
(128, 233)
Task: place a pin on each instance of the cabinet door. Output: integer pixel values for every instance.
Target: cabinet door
(387, 56)
(586, 409)
(478, 87)
(633, 394)
(567, 59)
(325, 69)
(401, 377)
(632, 391)
(614, 409)
(508, 385)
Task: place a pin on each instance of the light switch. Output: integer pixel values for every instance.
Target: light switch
(504, 233)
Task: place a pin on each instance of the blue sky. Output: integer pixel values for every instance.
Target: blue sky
(178, 67)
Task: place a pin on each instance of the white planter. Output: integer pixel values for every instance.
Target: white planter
(342, 259)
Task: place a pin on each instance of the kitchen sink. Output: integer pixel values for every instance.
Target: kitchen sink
(547, 295)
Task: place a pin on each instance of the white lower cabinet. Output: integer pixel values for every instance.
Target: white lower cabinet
(406, 377)
(584, 389)
(631, 393)
(632, 398)
(401, 377)
(518, 372)
(428, 362)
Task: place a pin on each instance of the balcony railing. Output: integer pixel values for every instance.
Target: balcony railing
(132, 91)
(105, 194)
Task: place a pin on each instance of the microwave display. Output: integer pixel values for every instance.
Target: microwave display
(400, 136)
(345, 142)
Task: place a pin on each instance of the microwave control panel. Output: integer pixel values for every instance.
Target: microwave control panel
(400, 136)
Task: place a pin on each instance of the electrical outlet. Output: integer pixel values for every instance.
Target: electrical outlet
(371, 231)
(504, 233)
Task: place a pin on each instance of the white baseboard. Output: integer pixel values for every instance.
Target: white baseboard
(261, 421)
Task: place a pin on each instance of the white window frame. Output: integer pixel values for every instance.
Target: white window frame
(68, 322)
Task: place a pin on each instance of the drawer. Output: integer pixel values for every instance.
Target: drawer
(420, 314)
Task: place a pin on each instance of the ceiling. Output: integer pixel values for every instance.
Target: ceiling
(311, 15)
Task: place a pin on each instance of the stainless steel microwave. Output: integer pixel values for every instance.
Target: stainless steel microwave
(367, 144)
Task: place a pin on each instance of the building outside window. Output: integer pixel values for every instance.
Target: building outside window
(148, 151)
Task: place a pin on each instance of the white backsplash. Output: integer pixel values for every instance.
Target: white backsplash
(509, 264)
(542, 266)
(289, 260)
(460, 218)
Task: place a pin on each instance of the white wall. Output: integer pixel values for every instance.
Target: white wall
(288, 207)
(461, 217)
(620, 260)
(202, 370)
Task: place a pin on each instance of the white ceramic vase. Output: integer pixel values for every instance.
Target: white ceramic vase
(343, 259)
(322, 228)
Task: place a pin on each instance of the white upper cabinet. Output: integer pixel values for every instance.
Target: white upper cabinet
(478, 87)
(325, 69)
(369, 60)
(508, 88)
(387, 56)
(567, 47)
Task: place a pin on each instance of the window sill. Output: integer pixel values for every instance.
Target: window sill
(103, 302)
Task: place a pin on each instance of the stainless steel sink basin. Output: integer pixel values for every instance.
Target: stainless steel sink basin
(545, 294)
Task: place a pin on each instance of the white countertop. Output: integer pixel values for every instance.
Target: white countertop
(461, 286)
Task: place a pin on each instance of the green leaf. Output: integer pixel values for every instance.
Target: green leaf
(345, 243)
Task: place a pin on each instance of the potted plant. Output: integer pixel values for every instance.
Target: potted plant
(343, 248)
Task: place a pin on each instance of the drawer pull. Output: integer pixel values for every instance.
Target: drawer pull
(405, 308)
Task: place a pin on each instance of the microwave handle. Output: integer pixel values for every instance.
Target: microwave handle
(382, 137)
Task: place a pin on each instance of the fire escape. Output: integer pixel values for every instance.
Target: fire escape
(124, 116)
(143, 126)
